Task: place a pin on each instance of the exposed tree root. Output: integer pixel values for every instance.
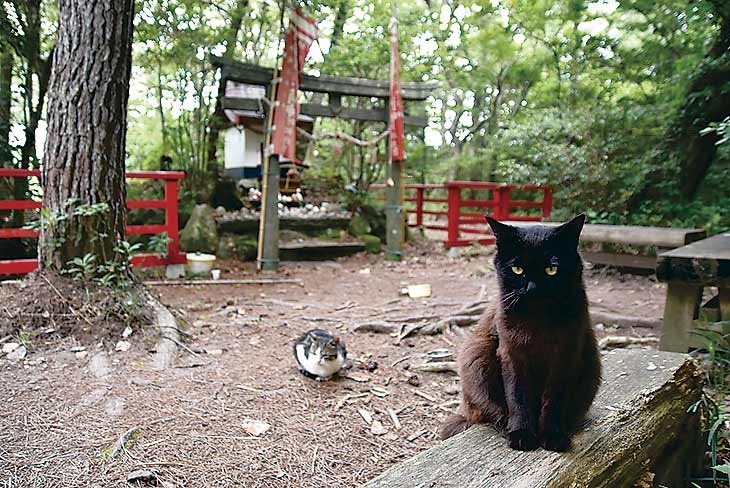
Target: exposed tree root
(469, 314)
(167, 344)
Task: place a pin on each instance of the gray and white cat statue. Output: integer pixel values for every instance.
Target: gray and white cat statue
(319, 354)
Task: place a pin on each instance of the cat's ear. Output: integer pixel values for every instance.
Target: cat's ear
(502, 232)
(569, 232)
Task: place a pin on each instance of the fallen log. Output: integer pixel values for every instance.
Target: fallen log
(609, 342)
(611, 318)
(638, 424)
(437, 367)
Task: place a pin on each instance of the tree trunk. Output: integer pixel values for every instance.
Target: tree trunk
(6, 75)
(707, 101)
(218, 119)
(87, 122)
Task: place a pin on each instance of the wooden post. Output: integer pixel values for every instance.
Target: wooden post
(419, 206)
(547, 201)
(268, 248)
(171, 219)
(394, 212)
(501, 203)
(679, 313)
(453, 213)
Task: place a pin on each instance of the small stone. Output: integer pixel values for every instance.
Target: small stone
(10, 347)
(99, 365)
(255, 427)
(451, 390)
(127, 332)
(17, 354)
(77, 349)
(122, 346)
(414, 380)
(81, 354)
(371, 365)
(651, 366)
(377, 428)
(214, 352)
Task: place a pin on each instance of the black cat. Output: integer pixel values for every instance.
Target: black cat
(532, 366)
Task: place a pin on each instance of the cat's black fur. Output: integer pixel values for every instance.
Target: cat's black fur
(532, 366)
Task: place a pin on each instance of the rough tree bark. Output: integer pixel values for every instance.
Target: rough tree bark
(6, 74)
(708, 100)
(24, 37)
(87, 122)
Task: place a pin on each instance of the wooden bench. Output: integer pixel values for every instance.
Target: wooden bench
(663, 238)
(688, 270)
(639, 428)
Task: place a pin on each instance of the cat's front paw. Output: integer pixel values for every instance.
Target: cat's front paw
(555, 441)
(522, 440)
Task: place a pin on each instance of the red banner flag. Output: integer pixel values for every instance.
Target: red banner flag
(397, 148)
(302, 32)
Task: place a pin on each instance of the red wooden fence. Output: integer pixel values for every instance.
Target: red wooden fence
(168, 204)
(499, 204)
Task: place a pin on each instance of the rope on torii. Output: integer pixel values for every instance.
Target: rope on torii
(342, 136)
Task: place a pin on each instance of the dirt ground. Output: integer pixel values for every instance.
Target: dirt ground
(62, 409)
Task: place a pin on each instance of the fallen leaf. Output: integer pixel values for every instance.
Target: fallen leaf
(255, 427)
(366, 416)
(359, 377)
(142, 476)
(377, 428)
(77, 349)
(379, 392)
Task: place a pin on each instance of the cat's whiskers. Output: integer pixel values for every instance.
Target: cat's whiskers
(508, 300)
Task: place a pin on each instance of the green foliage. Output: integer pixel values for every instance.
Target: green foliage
(713, 403)
(721, 128)
(82, 268)
(157, 244)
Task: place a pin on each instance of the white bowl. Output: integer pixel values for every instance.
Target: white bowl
(200, 263)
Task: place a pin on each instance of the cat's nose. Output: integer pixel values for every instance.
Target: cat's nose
(531, 285)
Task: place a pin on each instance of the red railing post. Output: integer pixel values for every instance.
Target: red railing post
(453, 214)
(547, 201)
(419, 206)
(501, 203)
(171, 220)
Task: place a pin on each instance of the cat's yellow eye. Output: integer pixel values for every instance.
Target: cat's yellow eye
(551, 270)
(517, 270)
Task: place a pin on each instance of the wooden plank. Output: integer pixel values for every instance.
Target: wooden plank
(318, 250)
(316, 110)
(679, 313)
(634, 235)
(630, 261)
(716, 247)
(724, 297)
(705, 262)
(639, 421)
(259, 75)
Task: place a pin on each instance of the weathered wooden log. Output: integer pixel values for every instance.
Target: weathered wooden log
(639, 423)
